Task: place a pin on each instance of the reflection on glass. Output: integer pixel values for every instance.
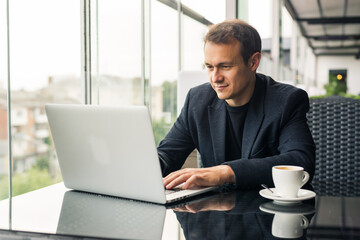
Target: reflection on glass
(234, 215)
(45, 68)
(219, 202)
(289, 221)
(116, 52)
(243, 215)
(92, 215)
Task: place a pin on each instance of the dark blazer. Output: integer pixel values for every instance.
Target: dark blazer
(275, 132)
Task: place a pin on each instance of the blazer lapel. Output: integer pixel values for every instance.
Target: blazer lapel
(254, 118)
(217, 123)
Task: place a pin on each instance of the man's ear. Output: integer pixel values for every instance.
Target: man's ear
(254, 61)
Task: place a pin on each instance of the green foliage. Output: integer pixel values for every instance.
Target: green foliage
(161, 127)
(160, 130)
(170, 97)
(341, 94)
(31, 180)
(335, 87)
(4, 187)
(36, 177)
(47, 141)
(42, 163)
(350, 96)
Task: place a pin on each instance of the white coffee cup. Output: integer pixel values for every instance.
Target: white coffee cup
(288, 180)
(287, 225)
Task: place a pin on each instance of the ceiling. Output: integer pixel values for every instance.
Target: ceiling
(332, 27)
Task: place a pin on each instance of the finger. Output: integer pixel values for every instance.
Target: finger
(169, 178)
(177, 181)
(199, 180)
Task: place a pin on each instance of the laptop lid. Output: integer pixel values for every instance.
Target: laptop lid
(107, 150)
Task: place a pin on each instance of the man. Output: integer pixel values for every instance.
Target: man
(242, 123)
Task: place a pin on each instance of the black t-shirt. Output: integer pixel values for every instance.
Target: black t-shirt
(235, 119)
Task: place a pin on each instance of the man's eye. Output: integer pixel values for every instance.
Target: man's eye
(226, 67)
(209, 67)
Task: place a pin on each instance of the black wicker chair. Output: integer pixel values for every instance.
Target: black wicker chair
(335, 126)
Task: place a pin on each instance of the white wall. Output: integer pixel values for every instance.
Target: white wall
(309, 63)
(352, 65)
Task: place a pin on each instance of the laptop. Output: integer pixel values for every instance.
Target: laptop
(111, 151)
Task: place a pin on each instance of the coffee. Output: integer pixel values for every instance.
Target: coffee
(285, 168)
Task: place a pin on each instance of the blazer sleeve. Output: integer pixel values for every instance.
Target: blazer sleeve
(178, 143)
(295, 146)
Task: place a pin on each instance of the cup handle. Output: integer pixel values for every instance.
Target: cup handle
(306, 177)
(305, 222)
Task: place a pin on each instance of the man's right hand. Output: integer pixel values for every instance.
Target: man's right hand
(200, 177)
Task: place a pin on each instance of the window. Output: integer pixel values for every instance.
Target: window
(4, 155)
(116, 52)
(193, 44)
(164, 67)
(46, 52)
(44, 68)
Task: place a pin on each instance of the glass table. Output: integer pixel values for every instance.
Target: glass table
(56, 212)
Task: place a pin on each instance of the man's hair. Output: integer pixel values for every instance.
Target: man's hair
(236, 30)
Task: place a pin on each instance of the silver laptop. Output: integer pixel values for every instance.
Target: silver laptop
(111, 151)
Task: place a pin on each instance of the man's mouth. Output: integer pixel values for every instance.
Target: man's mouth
(220, 87)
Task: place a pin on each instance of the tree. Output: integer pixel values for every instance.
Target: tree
(170, 97)
(335, 86)
(160, 130)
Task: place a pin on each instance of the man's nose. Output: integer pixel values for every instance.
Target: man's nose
(216, 75)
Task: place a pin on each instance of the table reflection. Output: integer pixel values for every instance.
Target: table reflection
(243, 215)
(86, 214)
(289, 221)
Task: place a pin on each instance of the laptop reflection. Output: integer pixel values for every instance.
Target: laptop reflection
(86, 214)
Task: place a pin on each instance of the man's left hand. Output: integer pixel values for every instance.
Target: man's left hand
(200, 177)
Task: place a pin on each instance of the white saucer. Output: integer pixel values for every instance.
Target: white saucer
(303, 195)
(273, 208)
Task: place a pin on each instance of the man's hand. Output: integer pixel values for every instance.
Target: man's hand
(200, 177)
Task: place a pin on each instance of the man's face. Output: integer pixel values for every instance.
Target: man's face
(231, 78)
